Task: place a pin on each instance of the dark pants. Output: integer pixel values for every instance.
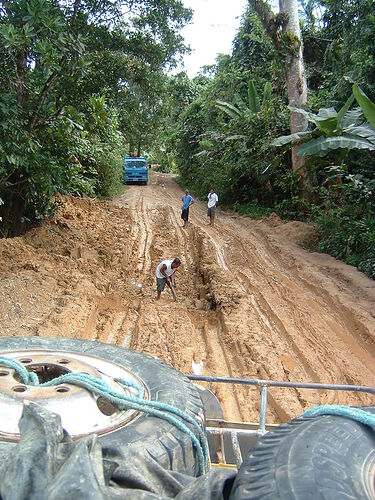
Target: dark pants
(185, 214)
(161, 282)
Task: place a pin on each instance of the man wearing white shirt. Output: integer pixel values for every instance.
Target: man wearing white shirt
(165, 276)
(211, 206)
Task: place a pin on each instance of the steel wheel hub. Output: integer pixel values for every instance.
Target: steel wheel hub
(82, 413)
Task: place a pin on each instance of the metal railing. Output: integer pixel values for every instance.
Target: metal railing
(264, 384)
(216, 427)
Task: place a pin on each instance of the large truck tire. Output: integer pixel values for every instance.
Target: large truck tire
(145, 435)
(326, 457)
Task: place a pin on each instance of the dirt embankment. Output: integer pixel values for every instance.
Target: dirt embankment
(252, 302)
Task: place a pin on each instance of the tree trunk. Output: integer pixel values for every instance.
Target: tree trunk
(12, 213)
(295, 75)
(21, 78)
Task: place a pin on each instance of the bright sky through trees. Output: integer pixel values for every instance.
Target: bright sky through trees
(212, 30)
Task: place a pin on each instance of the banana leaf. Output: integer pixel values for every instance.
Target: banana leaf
(267, 94)
(364, 131)
(345, 109)
(325, 120)
(307, 114)
(286, 139)
(228, 108)
(324, 145)
(368, 107)
(351, 117)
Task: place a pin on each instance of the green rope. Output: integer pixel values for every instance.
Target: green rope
(101, 388)
(362, 416)
(27, 378)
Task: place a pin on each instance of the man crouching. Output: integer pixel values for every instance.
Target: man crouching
(165, 275)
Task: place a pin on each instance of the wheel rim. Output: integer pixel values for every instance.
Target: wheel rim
(82, 413)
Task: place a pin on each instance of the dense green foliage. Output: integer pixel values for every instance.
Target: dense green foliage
(346, 223)
(73, 78)
(227, 121)
(232, 152)
(83, 82)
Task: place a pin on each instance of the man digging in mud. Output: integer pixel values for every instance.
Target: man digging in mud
(165, 276)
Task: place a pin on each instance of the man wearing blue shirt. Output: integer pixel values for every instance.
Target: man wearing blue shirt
(187, 200)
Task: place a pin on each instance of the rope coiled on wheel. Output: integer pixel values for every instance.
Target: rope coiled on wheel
(362, 416)
(100, 387)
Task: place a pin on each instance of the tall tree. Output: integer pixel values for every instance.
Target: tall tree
(284, 29)
(295, 73)
(58, 59)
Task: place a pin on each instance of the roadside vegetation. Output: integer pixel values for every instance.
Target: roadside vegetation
(82, 83)
(230, 127)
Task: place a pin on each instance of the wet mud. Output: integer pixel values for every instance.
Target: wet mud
(251, 301)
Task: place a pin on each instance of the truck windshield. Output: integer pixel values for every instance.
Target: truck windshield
(135, 163)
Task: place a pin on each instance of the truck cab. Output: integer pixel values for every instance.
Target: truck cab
(135, 169)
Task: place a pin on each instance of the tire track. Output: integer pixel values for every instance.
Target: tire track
(272, 320)
(145, 235)
(283, 283)
(362, 345)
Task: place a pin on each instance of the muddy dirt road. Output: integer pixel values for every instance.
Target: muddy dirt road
(251, 301)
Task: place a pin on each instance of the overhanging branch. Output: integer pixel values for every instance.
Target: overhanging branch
(46, 89)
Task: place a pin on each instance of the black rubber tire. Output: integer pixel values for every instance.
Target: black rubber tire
(170, 447)
(325, 457)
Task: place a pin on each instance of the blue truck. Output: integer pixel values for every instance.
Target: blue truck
(135, 169)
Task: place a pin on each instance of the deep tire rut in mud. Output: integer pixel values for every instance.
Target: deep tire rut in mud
(251, 301)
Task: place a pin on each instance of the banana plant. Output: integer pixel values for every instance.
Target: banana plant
(253, 105)
(367, 106)
(345, 129)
